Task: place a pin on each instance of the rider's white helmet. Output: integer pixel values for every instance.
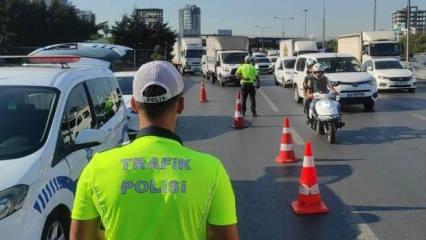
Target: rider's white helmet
(310, 62)
(318, 68)
(247, 59)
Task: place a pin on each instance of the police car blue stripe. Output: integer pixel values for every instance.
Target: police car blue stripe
(52, 186)
(56, 184)
(37, 207)
(45, 196)
(48, 190)
(42, 201)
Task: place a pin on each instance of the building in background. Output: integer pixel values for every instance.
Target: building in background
(417, 21)
(190, 21)
(86, 15)
(224, 32)
(151, 17)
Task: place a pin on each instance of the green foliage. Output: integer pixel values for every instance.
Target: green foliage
(132, 32)
(26, 23)
(417, 43)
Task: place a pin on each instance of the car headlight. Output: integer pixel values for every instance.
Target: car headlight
(382, 77)
(334, 83)
(226, 69)
(373, 82)
(12, 199)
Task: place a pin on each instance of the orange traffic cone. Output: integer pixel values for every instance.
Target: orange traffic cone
(238, 116)
(203, 95)
(286, 154)
(309, 200)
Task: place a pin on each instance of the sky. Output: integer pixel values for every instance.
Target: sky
(242, 16)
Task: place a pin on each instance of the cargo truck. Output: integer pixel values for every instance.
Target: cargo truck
(224, 55)
(293, 47)
(187, 54)
(370, 45)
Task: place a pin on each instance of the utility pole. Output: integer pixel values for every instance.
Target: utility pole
(262, 29)
(323, 26)
(375, 15)
(408, 31)
(306, 11)
(284, 19)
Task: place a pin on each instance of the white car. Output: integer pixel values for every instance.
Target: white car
(345, 74)
(284, 69)
(258, 55)
(125, 80)
(390, 74)
(419, 66)
(263, 65)
(53, 119)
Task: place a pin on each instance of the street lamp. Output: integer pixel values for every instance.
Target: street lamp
(306, 11)
(408, 31)
(262, 29)
(284, 19)
(375, 13)
(323, 26)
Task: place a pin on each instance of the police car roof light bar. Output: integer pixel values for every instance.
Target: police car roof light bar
(59, 59)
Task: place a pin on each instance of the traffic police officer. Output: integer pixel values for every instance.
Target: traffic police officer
(249, 80)
(155, 187)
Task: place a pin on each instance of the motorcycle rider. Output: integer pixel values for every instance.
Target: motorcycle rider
(309, 75)
(317, 84)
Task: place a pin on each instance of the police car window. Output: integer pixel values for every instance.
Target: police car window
(25, 117)
(301, 64)
(104, 98)
(77, 115)
(116, 92)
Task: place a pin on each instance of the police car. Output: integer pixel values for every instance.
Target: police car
(54, 117)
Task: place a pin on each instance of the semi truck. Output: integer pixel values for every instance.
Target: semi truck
(294, 47)
(187, 54)
(224, 55)
(368, 45)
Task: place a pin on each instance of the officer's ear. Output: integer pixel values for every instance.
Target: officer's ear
(134, 105)
(181, 105)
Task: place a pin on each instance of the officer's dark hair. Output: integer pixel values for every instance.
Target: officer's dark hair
(155, 111)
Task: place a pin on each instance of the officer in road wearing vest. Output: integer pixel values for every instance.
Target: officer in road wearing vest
(155, 187)
(249, 82)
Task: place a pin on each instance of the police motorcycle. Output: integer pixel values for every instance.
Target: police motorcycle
(327, 117)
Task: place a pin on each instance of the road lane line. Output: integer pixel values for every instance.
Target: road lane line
(269, 101)
(296, 137)
(419, 116)
(365, 232)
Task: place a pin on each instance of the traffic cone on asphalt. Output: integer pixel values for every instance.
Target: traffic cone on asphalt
(203, 94)
(238, 116)
(309, 200)
(286, 154)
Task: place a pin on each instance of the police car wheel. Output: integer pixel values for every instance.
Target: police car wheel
(56, 226)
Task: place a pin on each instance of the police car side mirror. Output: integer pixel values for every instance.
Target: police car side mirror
(87, 138)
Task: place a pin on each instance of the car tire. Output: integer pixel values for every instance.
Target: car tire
(213, 78)
(296, 96)
(369, 107)
(276, 81)
(331, 136)
(57, 225)
(222, 83)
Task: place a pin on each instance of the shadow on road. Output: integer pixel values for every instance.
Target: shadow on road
(379, 135)
(193, 128)
(400, 104)
(264, 207)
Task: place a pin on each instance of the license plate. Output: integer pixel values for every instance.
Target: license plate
(400, 83)
(357, 94)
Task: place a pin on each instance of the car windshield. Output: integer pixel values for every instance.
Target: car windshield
(126, 84)
(262, 60)
(385, 49)
(340, 64)
(194, 53)
(26, 114)
(289, 64)
(387, 65)
(233, 58)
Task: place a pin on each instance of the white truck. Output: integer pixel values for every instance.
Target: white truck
(370, 45)
(293, 47)
(224, 55)
(187, 54)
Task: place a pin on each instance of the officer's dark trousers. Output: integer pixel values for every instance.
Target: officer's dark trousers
(248, 90)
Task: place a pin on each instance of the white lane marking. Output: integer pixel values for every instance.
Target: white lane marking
(419, 116)
(296, 137)
(269, 101)
(365, 232)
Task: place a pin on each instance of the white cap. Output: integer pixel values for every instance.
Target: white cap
(159, 73)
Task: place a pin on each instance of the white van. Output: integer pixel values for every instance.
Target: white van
(54, 117)
(284, 69)
(345, 74)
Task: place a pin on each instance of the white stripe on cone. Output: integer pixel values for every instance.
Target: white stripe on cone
(305, 190)
(308, 161)
(238, 115)
(286, 147)
(286, 130)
